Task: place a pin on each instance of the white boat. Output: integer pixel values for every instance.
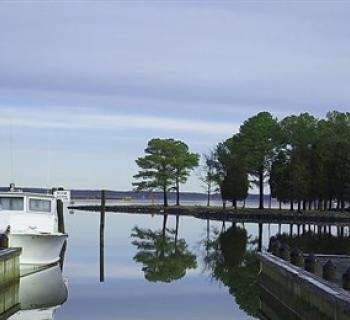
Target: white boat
(30, 222)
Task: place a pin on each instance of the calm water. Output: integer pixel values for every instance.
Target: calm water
(156, 273)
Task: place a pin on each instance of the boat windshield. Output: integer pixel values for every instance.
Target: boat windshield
(12, 203)
(40, 205)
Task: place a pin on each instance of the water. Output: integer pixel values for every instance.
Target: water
(196, 273)
(126, 294)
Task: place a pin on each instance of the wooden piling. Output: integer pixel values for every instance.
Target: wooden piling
(296, 257)
(310, 263)
(329, 271)
(60, 216)
(102, 234)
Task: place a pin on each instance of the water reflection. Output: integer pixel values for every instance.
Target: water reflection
(164, 256)
(230, 258)
(41, 293)
(324, 242)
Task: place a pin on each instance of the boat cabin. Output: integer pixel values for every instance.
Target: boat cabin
(23, 211)
(27, 202)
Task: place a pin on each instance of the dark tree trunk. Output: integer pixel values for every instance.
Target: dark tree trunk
(224, 204)
(330, 204)
(280, 205)
(165, 218)
(165, 196)
(234, 203)
(342, 205)
(176, 232)
(310, 204)
(208, 198)
(292, 205)
(299, 206)
(304, 205)
(261, 189)
(270, 201)
(177, 193)
(208, 236)
(260, 237)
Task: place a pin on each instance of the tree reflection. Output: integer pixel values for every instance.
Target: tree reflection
(231, 262)
(164, 256)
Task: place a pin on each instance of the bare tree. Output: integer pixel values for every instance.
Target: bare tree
(207, 175)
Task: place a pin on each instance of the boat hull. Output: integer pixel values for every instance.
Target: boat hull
(38, 249)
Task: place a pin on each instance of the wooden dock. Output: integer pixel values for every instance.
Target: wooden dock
(9, 281)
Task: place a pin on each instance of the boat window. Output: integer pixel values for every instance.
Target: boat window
(40, 205)
(11, 203)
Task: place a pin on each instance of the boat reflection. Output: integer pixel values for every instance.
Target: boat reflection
(40, 294)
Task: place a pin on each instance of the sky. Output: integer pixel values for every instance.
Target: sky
(85, 84)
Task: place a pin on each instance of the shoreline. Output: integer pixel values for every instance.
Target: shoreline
(283, 216)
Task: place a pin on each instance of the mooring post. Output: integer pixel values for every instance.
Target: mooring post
(275, 247)
(296, 257)
(4, 241)
(310, 263)
(346, 280)
(272, 240)
(102, 235)
(284, 252)
(329, 271)
(60, 216)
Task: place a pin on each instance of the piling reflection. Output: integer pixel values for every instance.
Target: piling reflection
(230, 257)
(323, 242)
(164, 256)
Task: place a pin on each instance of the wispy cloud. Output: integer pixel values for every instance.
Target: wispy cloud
(87, 119)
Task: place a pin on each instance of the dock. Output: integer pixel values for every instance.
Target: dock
(290, 292)
(9, 281)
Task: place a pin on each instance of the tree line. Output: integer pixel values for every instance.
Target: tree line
(304, 160)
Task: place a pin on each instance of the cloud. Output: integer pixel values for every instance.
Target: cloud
(87, 119)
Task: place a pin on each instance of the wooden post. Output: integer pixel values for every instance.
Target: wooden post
(346, 280)
(310, 263)
(296, 257)
(4, 241)
(102, 235)
(275, 247)
(329, 271)
(284, 252)
(260, 237)
(60, 216)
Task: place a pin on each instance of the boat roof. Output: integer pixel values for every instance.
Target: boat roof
(26, 194)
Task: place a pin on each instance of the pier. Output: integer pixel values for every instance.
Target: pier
(9, 281)
(290, 292)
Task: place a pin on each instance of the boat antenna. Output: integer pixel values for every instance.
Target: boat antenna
(48, 162)
(11, 150)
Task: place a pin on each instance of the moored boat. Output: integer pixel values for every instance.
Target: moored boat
(30, 221)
